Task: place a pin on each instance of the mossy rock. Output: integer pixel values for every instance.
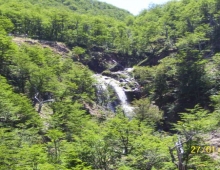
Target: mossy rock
(109, 74)
(106, 73)
(122, 76)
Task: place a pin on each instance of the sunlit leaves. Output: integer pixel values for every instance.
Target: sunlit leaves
(197, 120)
(146, 112)
(16, 109)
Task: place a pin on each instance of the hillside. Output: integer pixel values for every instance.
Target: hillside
(95, 7)
(89, 7)
(69, 101)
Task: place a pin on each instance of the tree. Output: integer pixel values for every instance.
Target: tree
(192, 84)
(6, 51)
(146, 112)
(54, 146)
(69, 118)
(77, 51)
(6, 24)
(16, 110)
(191, 131)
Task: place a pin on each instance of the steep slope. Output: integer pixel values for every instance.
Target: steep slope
(177, 45)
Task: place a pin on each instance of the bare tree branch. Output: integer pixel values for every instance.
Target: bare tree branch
(42, 102)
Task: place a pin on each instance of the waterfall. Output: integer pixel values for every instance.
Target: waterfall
(105, 81)
(103, 94)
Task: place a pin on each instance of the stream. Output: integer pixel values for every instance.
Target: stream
(118, 86)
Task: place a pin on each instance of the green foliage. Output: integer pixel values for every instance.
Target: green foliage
(146, 112)
(122, 144)
(177, 83)
(196, 121)
(6, 24)
(178, 42)
(78, 50)
(38, 75)
(6, 51)
(69, 118)
(192, 128)
(16, 109)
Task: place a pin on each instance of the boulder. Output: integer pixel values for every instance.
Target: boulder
(132, 94)
(117, 67)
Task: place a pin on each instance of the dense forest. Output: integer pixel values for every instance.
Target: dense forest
(54, 117)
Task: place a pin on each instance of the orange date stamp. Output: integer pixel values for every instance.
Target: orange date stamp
(204, 149)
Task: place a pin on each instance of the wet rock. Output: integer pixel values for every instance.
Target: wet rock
(97, 48)
(125, 87)
(127, 80)
(121, 80)
(132, 95)
(117, 67)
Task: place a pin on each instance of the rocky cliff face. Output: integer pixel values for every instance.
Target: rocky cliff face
(101, 61)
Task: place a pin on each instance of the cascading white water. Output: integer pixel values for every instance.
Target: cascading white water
(104, 80)
(103, 93)
(129, 69)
